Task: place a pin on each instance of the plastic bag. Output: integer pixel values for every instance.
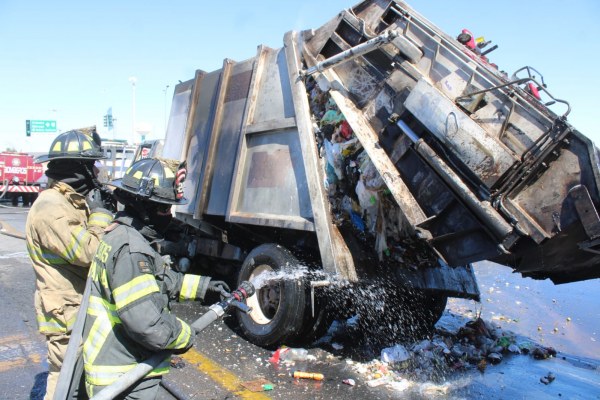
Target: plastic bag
(368, 201)
(333, 155)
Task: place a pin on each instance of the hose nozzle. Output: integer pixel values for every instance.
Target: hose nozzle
(245, 290)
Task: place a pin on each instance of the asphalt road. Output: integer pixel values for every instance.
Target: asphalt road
(222, 362)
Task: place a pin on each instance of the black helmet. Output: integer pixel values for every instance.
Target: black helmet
(78, 144)
(154, 179)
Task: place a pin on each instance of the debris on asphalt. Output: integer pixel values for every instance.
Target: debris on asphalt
(258, 385)
(349, 382)
(337, 346)
(542, 353)
(288, 354)
(315, 376)
(378, 382)
(423, 365)
(494, 358)
(177, 362)
(394, 354)
(400, 385)
(548, 379)
(482, 365)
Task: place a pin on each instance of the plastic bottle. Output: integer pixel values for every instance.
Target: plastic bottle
(291, 354)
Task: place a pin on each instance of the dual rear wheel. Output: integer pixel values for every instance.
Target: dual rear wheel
(282, 312)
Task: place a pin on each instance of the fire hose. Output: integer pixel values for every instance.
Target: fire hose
(74, 363)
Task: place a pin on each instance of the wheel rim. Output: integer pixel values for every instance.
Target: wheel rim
(265, 302)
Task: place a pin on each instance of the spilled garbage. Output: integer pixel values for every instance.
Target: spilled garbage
(428, 367)
(359, 198)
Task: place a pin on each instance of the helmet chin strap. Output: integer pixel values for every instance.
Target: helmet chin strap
(90, 175)
(145, 211)
(138, 209)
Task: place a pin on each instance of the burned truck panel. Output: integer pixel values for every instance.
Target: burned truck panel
(271, 182)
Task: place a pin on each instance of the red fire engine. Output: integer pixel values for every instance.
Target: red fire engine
(19, 177)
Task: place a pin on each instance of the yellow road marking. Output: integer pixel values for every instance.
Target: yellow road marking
(10, 346)
(19, 362)
(8, 365)
(220, 375)
(11, 339)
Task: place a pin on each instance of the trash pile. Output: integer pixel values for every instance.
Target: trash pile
(358, 195)
(478, 344)
(424, 366)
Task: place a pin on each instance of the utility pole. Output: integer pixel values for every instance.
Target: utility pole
(133, 80)
(165, 119)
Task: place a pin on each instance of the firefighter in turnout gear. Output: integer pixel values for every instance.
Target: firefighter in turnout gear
(63, 230)
(128, 317)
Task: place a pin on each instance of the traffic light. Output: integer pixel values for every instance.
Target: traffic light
(27, 127)
(106, 120)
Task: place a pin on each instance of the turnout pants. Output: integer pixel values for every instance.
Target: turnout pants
(57, 347)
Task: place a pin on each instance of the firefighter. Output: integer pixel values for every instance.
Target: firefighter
(63, 230)
(128, 317)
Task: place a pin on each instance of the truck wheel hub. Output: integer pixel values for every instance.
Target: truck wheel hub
(265, 301)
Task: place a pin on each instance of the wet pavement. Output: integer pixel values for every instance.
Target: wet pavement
(22, 350)
(566, 317)
(223, 365)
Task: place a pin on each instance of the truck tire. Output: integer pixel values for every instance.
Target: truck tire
(278, 307)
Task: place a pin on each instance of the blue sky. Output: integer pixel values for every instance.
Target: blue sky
(71, 60)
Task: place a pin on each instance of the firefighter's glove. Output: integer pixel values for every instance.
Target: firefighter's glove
(109, 201)
(217, 287)
(99, 202)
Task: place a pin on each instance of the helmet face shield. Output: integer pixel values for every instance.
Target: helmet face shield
(155, 180)
(78, 144)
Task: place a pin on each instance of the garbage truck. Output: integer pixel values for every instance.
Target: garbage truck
(377, 154)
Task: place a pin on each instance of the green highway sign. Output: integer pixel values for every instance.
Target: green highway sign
(36, 125)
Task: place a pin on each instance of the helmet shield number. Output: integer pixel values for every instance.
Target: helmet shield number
(146, 186)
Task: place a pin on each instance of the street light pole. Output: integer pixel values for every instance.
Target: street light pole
(165, 119)
(55, 112)
(133, 80)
